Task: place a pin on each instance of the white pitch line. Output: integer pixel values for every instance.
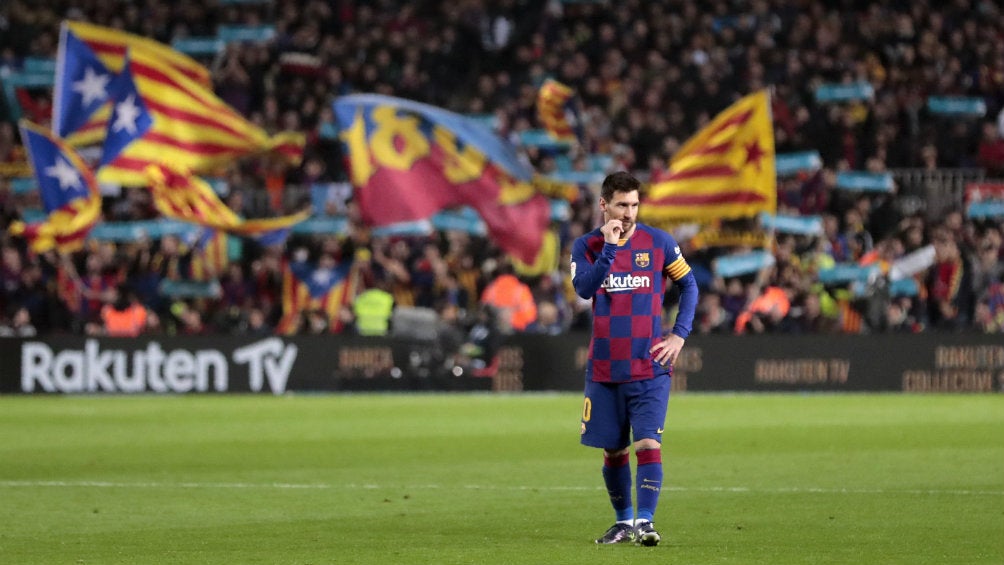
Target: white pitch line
(369, 486)
(184, 485)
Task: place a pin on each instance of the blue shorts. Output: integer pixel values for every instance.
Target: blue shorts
(611, 412)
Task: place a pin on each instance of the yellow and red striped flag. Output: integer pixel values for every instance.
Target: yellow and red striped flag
(161, 116)
(88, 59)
(552, 100)
(209, 255)
(183, 196)
(726, 170)
(68, 189)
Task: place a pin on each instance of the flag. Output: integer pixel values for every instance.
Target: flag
(726, 170)
(209, 255)
(87, 60)
(545, 262)
(552, 100)
(69, 193)
(408, 161)
(183, 196)
(306, 286)
(161, 116)
(273, 237)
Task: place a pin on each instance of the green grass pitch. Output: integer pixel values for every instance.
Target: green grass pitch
(492, 479)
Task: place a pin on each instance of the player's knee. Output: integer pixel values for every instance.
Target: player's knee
(646, 443)
(614, 453)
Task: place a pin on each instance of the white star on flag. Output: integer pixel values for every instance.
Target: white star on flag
(92, 87)
(127, 113)
(62, 171)
(322, 276)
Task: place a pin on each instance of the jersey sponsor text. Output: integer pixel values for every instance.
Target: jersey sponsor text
(623, 283)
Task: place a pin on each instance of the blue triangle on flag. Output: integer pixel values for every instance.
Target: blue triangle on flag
(130, 117)
(320, 280)
(60, 180)
(82, 84)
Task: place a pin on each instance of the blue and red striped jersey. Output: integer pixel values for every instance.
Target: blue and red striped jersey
(627, 283)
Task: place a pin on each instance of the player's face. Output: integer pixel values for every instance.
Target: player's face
(622, 206)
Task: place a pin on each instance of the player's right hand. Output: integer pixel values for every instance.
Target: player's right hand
(612, 231)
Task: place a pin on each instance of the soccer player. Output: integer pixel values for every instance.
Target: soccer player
(622, 266)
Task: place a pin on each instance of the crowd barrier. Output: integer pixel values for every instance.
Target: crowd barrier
(894, 363)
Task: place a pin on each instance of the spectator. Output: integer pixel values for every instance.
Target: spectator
(548, 320)
(766, 311)
(314, 322)
(991, 149)
(712, 317)
(990, 310)
(808, 317)
(986, 263)
(950, 289)
(901, 316)
(123, 315)
(512, 298)
(373, 309)
(19, 325)
(257, 324)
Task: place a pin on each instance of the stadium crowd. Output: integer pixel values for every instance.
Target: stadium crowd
(647, 74)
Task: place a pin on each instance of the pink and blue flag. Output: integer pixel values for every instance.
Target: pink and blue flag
(408, 161)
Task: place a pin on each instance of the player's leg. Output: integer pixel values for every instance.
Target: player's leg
(647, 409)
(649, 484)
(605, 425)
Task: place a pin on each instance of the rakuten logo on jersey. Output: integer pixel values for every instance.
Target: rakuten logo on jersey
(624, 283)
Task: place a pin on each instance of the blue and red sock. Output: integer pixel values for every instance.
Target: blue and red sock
(617, 476)
(649, 482)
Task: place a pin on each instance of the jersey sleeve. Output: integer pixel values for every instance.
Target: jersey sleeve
(677, 269)
(587, 275)
(676, 266)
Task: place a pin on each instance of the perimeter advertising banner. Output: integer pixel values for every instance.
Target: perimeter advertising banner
(271, 364)
(894, 363)
(276, 365)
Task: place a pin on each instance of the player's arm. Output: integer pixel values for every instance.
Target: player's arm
(587, 276)
(688, 304)
(666, 351)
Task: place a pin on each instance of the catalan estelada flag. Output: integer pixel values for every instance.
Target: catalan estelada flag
(183, 196)
(305, 286)
(552, 102)
(408, 161)
(69, 193)
(162, 116)
(726, 170)
(209, 255)
(88, 58)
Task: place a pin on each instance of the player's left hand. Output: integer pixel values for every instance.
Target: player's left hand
(667, 350)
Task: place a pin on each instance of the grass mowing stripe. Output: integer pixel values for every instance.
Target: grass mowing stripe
(788, 490)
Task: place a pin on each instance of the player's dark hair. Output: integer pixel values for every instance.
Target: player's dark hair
(618, 182)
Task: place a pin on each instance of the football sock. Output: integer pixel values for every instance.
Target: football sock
(649, 482)
(617, 476)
